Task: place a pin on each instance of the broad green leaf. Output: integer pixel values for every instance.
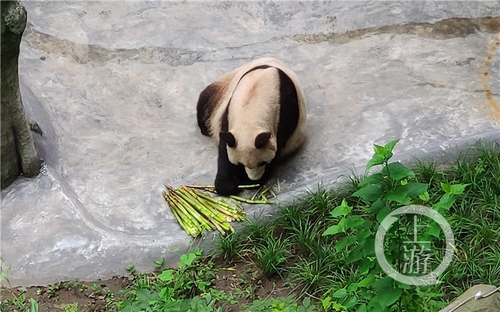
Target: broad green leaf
(453, 189)
(364, 232)
(445, 187)
(362, 308)
(369, 247)
(445, 203)
(166, 275)
(352, 287)
(332, 230)
(375, 178)
(367, 281)
(335, 229)
(306, 302)
(383, 213)
(144, 295)
(416, 189)
(457, 189)
(425, 196)
(353, 222)
(354, 255)
(433, 229)
(341, 210)
(397, 171)
(370, 193)
(341, 293)
(387, 292)
(187, 260)
(350, 302)
(366, 265)
(377, 206)
(376, 160)
(390, 146)
(398, 195)
(379, 150)
(326, 303)
(344, 242)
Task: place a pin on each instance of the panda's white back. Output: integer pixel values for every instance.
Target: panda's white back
(255, 105)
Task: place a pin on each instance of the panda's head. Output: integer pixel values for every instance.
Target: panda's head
(253, 151)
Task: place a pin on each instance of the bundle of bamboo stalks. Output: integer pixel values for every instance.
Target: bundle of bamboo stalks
(198, 212)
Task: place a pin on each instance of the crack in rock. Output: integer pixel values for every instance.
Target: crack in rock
(444, 29)
(83, 53)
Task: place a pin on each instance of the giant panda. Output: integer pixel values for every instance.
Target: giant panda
(257, 114)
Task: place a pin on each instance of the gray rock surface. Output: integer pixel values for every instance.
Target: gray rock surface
(479, 298)
(114, 87)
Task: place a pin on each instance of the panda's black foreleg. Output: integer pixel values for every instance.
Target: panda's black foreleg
(229, 176)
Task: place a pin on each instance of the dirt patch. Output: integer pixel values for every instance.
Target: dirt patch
(98, 296)
(246, 283)
(242, 283)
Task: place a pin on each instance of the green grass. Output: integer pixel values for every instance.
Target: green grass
(315, 268)
(338, 271)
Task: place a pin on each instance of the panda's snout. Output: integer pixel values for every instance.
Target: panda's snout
(255, 174)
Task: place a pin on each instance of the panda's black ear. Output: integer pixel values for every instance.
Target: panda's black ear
(228, 137)
(261, 139)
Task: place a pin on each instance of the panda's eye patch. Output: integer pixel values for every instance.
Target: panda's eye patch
(262, 164)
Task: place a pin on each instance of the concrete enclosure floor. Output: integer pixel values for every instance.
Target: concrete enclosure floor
(114, 85)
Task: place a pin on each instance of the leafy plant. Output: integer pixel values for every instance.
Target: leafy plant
(284, 304)
(395, 185)
(177, 290)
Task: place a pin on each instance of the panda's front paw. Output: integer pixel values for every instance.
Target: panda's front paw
(225, 185)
